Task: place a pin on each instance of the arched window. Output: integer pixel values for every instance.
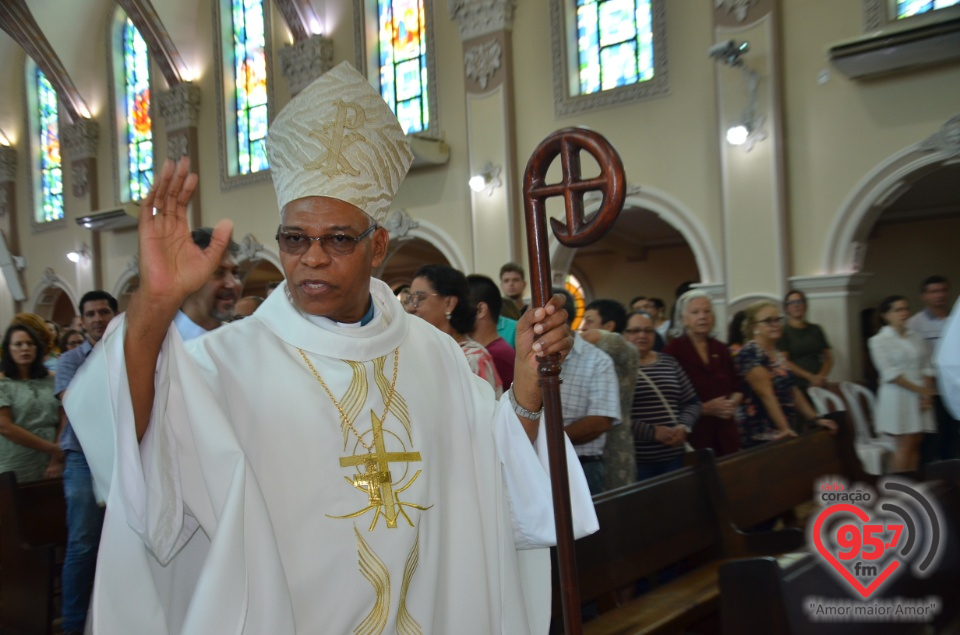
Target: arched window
(608, 52)
(45, 139)
(136, 128)
(910, 8)
(614, 43)
(396, 38)
(244, 74)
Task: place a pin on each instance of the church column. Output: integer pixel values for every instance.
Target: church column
(179, 109)
(753, 181)
(834, 303)
(80, 140)
(488, 68)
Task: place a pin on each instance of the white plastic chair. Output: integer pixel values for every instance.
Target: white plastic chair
(872, 455)
(857, 397)
(825, 401)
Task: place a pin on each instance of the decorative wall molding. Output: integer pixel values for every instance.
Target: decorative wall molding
(80, 139)
(399, 223)
(179, 107)
(945, 140)
(80, 177)
(306, 60)
(482, 61)
(133, 265)
(481, 17)
(739, 8)
(8, 164)
(249, 248)
(564, 50)
(178, 145)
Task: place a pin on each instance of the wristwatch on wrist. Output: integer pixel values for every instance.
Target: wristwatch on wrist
(520, 410)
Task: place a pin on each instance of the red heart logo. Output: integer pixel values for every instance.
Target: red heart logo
(865, 591)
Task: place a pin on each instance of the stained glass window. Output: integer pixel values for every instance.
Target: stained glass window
(403, 62)
(250, 64)
(615, 43)
(575, 289)
(908, 8)
(50, 203)
(137, 124)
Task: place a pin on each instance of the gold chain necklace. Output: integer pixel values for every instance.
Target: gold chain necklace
(343, 415)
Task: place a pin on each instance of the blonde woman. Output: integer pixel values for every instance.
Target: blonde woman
(770, 395)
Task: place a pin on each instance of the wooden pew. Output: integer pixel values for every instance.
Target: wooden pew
(33, 535)
(766, 482)
(646, 526)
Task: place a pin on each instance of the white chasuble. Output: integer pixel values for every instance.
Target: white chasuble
(251, 507)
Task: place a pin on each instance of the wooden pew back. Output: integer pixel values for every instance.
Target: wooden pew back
(765, 482)
(33, 528)
(645, 527)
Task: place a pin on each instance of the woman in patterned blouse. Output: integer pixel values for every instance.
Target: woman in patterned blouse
(770, 395)
(441, 296)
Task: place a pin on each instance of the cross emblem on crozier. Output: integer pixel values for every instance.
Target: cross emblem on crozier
(377, 482)
(336, 140)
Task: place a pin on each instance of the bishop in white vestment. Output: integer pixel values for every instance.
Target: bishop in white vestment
(329, 464)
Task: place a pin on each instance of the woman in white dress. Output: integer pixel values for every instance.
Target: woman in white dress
(905, 395)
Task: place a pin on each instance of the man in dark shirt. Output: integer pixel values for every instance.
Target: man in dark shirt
(84, 514)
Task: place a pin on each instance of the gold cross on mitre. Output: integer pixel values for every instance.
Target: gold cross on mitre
(336, 140)
(377, 481)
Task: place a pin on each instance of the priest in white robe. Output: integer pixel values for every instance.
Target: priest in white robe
(329, 464)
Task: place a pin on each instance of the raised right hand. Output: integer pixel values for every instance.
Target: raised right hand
(171, 265)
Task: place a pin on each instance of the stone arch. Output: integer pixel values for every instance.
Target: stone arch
(49, 293)
(671, 211)
(401, 225)
(846, 243)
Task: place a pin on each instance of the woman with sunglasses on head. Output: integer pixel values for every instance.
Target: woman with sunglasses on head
(441, 296)
(30, 415)
(906, 389)
(770, 395)
(808, 351)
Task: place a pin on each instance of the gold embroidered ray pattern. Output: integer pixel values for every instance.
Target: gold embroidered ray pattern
(398, 406)
(373, 569)
(355, 397)
(406, 625)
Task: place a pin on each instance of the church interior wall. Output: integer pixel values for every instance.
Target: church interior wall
(836, 131)
(620, 276)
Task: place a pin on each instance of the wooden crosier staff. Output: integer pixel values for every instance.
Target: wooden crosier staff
(567, 143)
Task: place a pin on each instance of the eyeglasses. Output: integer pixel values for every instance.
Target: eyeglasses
(298, 243)
(637, 330)
(771, 321)
(413, 300)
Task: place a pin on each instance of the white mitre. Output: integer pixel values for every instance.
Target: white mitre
(338, 138)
